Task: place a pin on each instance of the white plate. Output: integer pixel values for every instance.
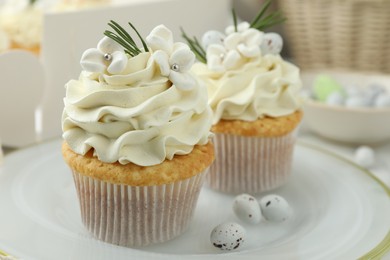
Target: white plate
(340, 212)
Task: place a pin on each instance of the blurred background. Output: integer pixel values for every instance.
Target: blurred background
(320, 36)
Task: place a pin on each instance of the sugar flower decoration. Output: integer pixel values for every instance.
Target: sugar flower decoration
(108, 55)
(246, 42)
(174, 59)
(240, 42)
(219, 58)
(240, 28)
(212, 37)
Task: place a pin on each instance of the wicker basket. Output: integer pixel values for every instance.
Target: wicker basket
(349, 34)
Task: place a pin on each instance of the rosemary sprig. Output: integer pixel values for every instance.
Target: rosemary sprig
(140, 37)
(195, 46)
(261, 22)
(122, 37)
(234, 20)
(32, 2)
(272, 19)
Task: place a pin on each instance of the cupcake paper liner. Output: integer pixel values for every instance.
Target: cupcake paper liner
(250, 164)
(133, 216)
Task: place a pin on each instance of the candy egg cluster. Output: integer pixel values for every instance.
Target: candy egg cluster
(328, 90)
(272, 208)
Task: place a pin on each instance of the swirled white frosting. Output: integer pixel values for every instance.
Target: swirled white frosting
(136, 116)
(257, 87)
(24, 27)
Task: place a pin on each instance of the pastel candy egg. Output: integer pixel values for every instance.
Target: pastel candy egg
(365, 156)
(352, 90)
(357, 101)
(324, 86)
(372, 92)
(247, 208)
(212, 37)
(228, 236)
(275, 208)
(382, 101)
(335, 98)
(272, 43)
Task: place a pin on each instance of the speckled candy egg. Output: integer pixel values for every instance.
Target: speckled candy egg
(275, 208)
(382, 101)
(228, 236)
(335, 98)
(212, 37)
(247, 208)
(357, 101)
(272, 43)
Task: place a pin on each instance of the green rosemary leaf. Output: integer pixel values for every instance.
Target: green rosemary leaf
(128, 48)
(140, 37)
(234, 20)
(119, 29)
(122, 37)
(32, 2)
(272, 23)
(261, 13)
(201, 50)
(270, 20)
(195, 46)
(123, 34)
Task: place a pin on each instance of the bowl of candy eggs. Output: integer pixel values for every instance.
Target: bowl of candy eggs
(348, 107)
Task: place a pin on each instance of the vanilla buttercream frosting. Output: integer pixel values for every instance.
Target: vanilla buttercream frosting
(246, 77)
(141, 112)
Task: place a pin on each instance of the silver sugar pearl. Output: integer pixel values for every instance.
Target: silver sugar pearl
(107, 56)
(175, 67)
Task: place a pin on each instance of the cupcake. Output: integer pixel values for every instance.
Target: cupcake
(136, 128)
(21, 26)
(254, 95)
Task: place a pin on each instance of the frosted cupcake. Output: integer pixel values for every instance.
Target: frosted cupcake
(21, 25)
(136, 129)
(253, 93)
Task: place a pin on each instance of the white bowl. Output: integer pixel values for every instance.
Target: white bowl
(363, 125)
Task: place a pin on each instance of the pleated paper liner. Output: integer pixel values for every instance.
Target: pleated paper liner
(250, 164)
(134, 216)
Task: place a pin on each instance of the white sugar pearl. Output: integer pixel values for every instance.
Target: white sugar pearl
(272, 43)
(365, 156)
(335, 98)
(357, 101)
(275, 208)
(247, 208)
(228, 236)
(382, 101)
(212, 37)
